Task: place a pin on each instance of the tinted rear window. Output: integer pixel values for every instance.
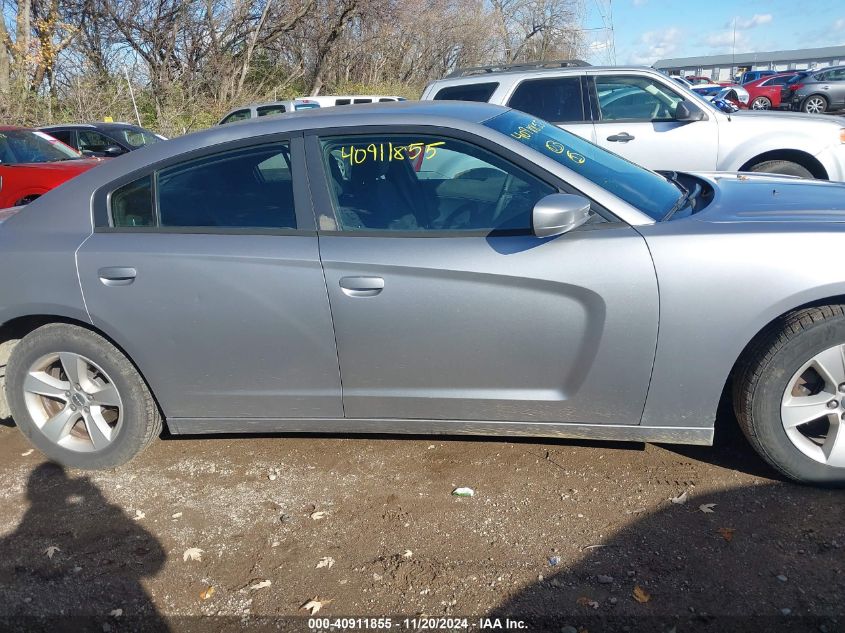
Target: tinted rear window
(556, 100)
(467, 92)
(269, 110)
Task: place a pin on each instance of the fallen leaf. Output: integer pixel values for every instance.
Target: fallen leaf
(407, 553)
(193, 553)
(707, 508)
(27, 453)
(325, 561)
(314, 605)
(116, 613)
(51, 550)
(680, 499)
(206, 593)
(640, 594)
(317, 516)
(584, 601)
(139, 515)
(176, 515)
(261, 585)
(727, 533)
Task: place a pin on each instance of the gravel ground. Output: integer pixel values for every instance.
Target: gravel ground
(560, 535)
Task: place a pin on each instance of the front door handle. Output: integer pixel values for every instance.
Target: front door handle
(624, 137)
(117, 275)
(361, 286)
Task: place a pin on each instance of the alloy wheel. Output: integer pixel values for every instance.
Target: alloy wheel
(73, 402)
(815, 105)
(813, 407)
(761, 103)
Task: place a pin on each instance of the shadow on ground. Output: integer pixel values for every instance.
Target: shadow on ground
(75, 559)
(758, 562)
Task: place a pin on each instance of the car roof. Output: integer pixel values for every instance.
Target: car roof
(97, 126)
(482, 77)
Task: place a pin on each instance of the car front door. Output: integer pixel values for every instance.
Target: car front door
(635, 118)
(445, 305)
(207, 272)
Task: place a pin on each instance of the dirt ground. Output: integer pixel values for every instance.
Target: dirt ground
(561, 536)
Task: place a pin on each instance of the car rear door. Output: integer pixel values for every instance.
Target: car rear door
(445, 305)
(559, 100)
(206, 271)
(634, 117)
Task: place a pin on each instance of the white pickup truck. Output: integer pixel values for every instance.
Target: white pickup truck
(648, 118)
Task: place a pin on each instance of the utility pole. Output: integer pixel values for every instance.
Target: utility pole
(733, 54)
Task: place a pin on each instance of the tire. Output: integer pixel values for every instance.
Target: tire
(761, 103)
(132, 424)
(759, 389)
(814, 104)
(783, 167)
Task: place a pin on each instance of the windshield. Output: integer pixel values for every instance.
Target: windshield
(27, 146)
(136, 137)
(649, 192)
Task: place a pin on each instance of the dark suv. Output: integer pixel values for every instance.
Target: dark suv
(102, 139)
(820, 91)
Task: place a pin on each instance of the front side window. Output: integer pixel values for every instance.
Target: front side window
(240, 115)
(426, 183)
(246, 188)
(635, 98)
(93, 141)
(467, 92)
(557, 100)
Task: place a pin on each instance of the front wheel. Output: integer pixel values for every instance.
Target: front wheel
(815, 105)
(78, 399)
(789, 396)
(782, 167)
(761, 103)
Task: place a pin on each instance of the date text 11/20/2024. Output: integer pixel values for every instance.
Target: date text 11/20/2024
(417, 623)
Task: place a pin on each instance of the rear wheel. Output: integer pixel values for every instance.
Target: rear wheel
(784, 167)
(761, 103)
(789, 396)
(816, 104)
(78, 398)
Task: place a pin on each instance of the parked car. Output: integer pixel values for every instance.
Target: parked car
(301, 103)
(697, 79)
(789, 88)
(737, 96)
(754, 75)
(658, 121)
(765, 93)
(102, 139)
(424, 268)
(707, 90)
(32, 163)
(681, 80)
(267, 109)
(821, 91)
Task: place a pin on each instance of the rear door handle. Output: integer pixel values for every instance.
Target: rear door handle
(361, 286)
(117, 275)
(624, 137)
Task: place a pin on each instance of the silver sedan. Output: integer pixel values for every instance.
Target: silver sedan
(438, 267)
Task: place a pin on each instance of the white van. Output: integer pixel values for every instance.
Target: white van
(339, 100)
(268, 109)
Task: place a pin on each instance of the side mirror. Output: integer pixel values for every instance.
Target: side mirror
(559, 213)
(113, 150)
(685, 111)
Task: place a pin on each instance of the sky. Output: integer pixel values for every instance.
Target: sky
(648, 30)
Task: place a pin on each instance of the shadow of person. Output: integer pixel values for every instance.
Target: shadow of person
(75, 560)
(768, 557)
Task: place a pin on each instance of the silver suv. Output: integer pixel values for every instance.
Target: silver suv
(645, 116)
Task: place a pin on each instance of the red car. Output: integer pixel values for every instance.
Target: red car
(765, 93)
(32, 163)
